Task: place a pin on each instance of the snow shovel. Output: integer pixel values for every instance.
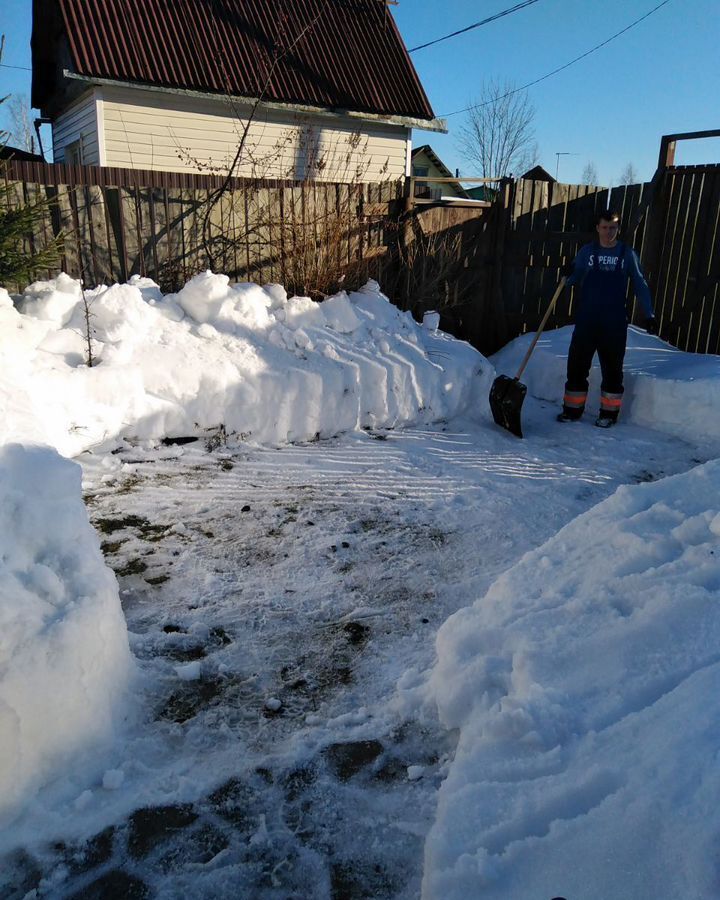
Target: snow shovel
(507, 394)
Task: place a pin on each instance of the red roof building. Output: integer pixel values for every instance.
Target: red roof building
(171, 83)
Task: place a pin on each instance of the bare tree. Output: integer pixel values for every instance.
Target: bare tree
(590, 174)
(498, 137)
(629, 175)
(21, 129)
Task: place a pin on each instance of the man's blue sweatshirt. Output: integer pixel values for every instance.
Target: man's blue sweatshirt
(602, 273)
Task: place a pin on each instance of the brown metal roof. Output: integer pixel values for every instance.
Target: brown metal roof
(337, 54)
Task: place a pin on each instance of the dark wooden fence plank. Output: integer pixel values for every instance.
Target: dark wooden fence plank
(707, 256)
(690, 299)
(671, 252)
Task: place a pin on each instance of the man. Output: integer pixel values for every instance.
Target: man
(601, 270)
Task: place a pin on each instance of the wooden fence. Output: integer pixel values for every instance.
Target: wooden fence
(490, 270)
(681, 253)
(169, 226)
(502, 264)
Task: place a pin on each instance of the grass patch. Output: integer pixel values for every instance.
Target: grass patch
(134, 567)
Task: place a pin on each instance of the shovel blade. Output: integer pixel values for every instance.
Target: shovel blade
(506, 400)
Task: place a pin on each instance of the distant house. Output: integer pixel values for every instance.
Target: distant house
(170, 84)
(537, 173)
(427, 164)
(482, 192)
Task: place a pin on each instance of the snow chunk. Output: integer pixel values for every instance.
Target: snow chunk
(339, 314)
(52, 300)
(65, 662)
(189, 672)
(113, 779)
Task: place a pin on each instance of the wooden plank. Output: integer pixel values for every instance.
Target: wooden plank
(129, 216)
(176, 213)
(196, 254)
(268, 215)
(160, 235)
(110, 236)
(152, 235)
(171, 247)
(690, 300)
(99, 235)
(672, 252)
(656, 235)
(707, 265)
(533, 275)
(78, 236)
(282, 239)
(222, 226)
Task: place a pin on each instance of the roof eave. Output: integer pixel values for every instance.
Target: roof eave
(439, 125)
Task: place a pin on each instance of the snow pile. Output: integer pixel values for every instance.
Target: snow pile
(585, 687)
(266, 367)
(665, 388)
(64, 657)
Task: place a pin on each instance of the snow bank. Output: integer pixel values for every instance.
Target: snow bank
(665, 389)
(64, 656)
(268, 368)
(585, 686)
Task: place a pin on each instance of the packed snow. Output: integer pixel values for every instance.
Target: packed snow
(65, 663)
(266, 367)
(359, 641)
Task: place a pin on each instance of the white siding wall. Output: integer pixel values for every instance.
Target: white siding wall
(79, 122)
(153, 130)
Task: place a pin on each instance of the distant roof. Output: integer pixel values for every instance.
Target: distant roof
(8, 152)
(344, 54)
(537, 173)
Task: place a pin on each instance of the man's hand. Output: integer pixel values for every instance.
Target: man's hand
(651, 325)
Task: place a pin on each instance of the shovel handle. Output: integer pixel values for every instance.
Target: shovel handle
(542, 326)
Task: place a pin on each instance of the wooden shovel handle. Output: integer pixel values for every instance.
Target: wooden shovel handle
(542, 326)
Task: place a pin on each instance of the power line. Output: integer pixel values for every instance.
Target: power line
(505, 12)
(24, 68)
(560, 68)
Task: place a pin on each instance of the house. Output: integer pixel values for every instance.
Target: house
(537, 173)
(327, 85)
(427, 164)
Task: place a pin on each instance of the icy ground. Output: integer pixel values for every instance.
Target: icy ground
(380, 647)
(274, 598)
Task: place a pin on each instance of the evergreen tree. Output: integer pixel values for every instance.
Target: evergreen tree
(19, 260)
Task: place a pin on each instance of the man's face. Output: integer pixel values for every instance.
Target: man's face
(607, 230)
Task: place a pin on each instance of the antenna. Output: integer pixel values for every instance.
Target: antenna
(562, 153)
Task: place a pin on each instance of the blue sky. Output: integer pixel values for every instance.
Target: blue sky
(611, 108)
